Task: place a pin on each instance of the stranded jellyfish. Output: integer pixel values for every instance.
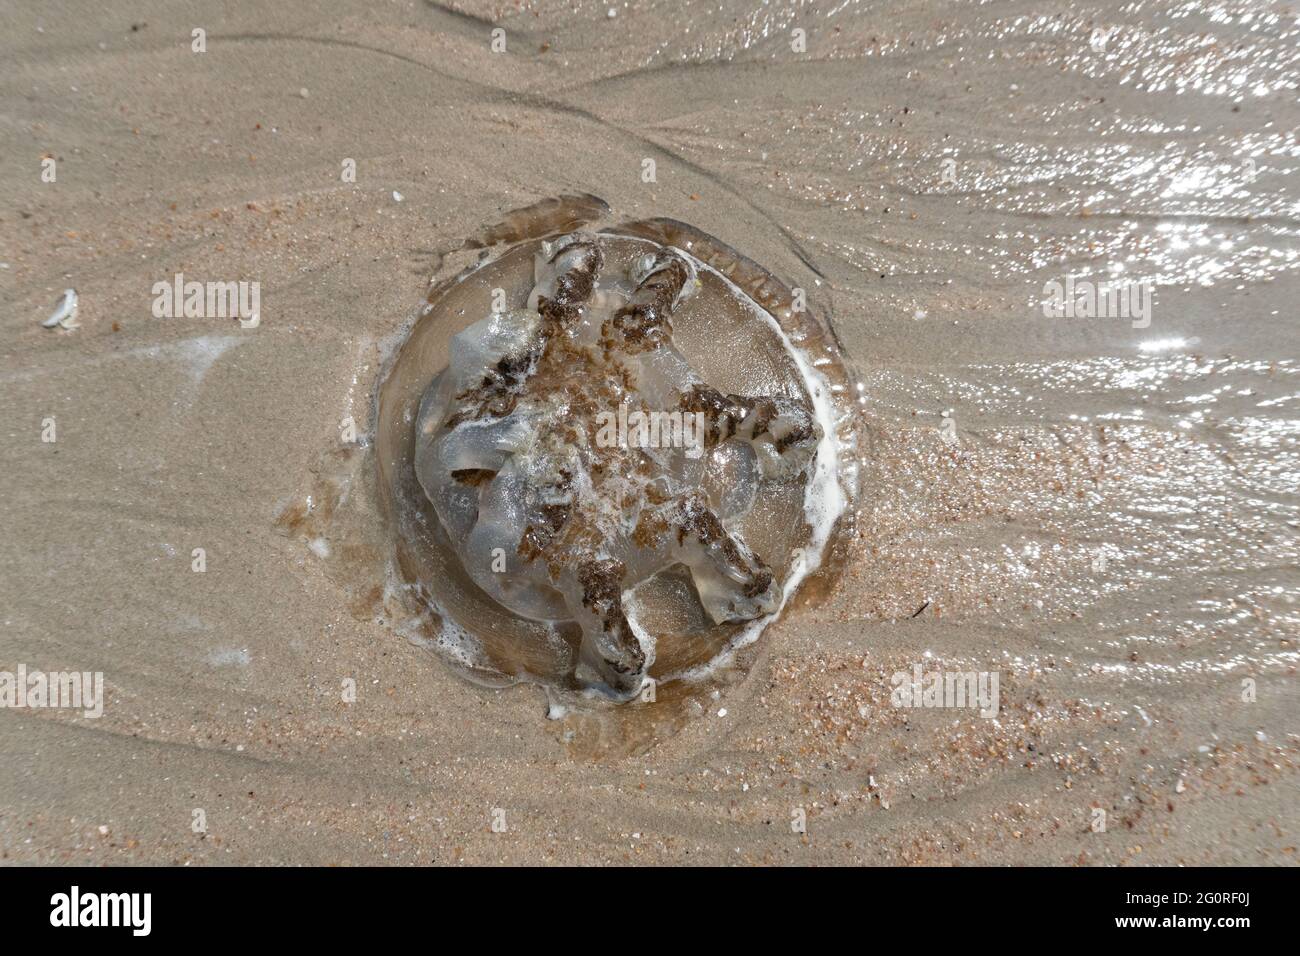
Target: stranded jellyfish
(610, 455)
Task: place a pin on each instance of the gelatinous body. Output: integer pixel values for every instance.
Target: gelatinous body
(621, 464)
(554, 513)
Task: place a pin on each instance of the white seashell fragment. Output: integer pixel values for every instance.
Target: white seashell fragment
(65, 315)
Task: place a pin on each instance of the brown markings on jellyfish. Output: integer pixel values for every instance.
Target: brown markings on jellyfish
(645, 323)
(575, 264)
(619, 651)
(773, 425)
(622, 560)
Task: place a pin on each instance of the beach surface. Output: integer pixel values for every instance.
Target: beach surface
(1101, 510)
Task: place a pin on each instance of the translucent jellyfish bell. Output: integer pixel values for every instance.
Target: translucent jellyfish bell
(623, 473)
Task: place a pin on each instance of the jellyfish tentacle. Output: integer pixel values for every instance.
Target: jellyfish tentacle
(609, 643)
(782, 431)
(564, 278)
(732, 581)
(645, 322)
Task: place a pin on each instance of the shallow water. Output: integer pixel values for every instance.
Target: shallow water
(1105, 515)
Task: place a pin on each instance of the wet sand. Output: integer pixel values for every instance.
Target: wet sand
(1106, 516)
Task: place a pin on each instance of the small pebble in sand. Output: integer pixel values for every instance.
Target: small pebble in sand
(397, 197)
(722, 712)
(612, 13)
(303, 93)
